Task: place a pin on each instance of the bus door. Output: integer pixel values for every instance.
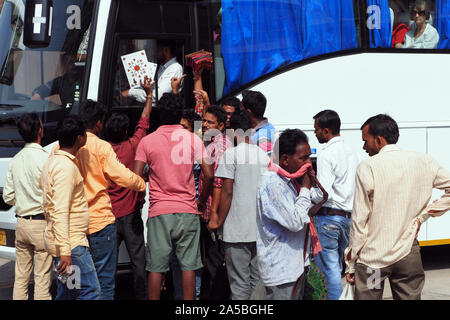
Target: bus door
(141, 26)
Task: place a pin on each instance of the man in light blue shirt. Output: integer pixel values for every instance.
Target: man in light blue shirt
(282, 217)
(263, 131)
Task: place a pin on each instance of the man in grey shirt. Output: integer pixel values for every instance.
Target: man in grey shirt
(241, 168)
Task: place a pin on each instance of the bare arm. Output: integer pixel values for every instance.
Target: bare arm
(208, 176)
(225, 203)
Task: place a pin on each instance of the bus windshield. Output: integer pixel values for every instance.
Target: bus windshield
(45, 80)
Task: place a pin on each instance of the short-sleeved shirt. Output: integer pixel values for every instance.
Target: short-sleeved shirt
(264, 135)
(245, 164)
(170, 152)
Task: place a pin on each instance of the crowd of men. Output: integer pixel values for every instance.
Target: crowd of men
(229, 195)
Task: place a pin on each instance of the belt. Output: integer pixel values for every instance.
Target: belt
(324, 211)
(40, 216)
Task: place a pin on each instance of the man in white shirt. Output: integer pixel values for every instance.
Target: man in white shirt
(393, 189)
(336, 170)
(168, 68)
(22, 189)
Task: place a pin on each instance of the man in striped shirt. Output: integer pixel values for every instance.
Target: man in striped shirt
(393, 188)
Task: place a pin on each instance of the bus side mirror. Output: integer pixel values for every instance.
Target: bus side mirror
(38, 23)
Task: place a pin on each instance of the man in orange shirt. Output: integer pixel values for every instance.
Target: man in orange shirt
(98, 165)
(67, 216)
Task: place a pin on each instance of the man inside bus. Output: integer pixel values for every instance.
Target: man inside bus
(168, 68)
(263, 131)
(64, 86)
(422, 34)
(393, 189)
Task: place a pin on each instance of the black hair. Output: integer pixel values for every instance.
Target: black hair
(116, 127)
(172, 45)
(241, 120)
(233, 102)
(384, 126)
(288, 141)
(29, 125)
(91, 112)
(218, 112)
(68, 130)
(255, 101)
(191, 116)
(329, 119)
(171, 108)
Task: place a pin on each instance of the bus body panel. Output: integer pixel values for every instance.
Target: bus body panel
(409, 87)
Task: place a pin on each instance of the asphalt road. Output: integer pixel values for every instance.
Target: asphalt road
(436, 262)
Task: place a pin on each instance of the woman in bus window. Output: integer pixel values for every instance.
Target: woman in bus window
(422, 35)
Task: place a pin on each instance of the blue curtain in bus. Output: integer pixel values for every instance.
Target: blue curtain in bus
(379, 23)
(442, 23)
(260, 36)
(257, 38)
(327, 26)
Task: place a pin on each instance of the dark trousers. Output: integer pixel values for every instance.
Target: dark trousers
(406, 278)
(130, 229)
(215, 285)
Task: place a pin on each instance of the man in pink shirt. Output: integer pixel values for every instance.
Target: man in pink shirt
(170, 153)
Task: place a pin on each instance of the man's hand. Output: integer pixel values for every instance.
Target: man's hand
(197, 73)
(213, 224)
(306, 181)
(350, 278)
(147, 85)
(36, 96)
(176, 82)
(201, 96)
(65, 264)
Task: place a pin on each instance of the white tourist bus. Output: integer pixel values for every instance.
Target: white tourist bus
(304, 56)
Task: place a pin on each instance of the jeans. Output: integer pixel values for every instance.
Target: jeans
(333, 232)
(177, 278)
(130, 229)
(104, 254)
(83, 283)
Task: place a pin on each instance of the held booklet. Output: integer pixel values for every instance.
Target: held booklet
(137, 67)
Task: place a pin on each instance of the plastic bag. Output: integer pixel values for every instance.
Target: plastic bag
(348, 292)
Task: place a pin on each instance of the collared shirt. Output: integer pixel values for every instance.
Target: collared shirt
(65, 205)
(215, 150)
(125, 201)
(167, 71)
(170, 153)
(336, 171)
(22, 188)
(281, 220)
(428, 40)
(393, 188)
(264, 135)
(98, 165)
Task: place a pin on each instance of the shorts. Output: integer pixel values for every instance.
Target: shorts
(180, 231)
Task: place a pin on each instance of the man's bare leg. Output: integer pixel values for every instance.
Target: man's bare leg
(154, 285)
(188, 285)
